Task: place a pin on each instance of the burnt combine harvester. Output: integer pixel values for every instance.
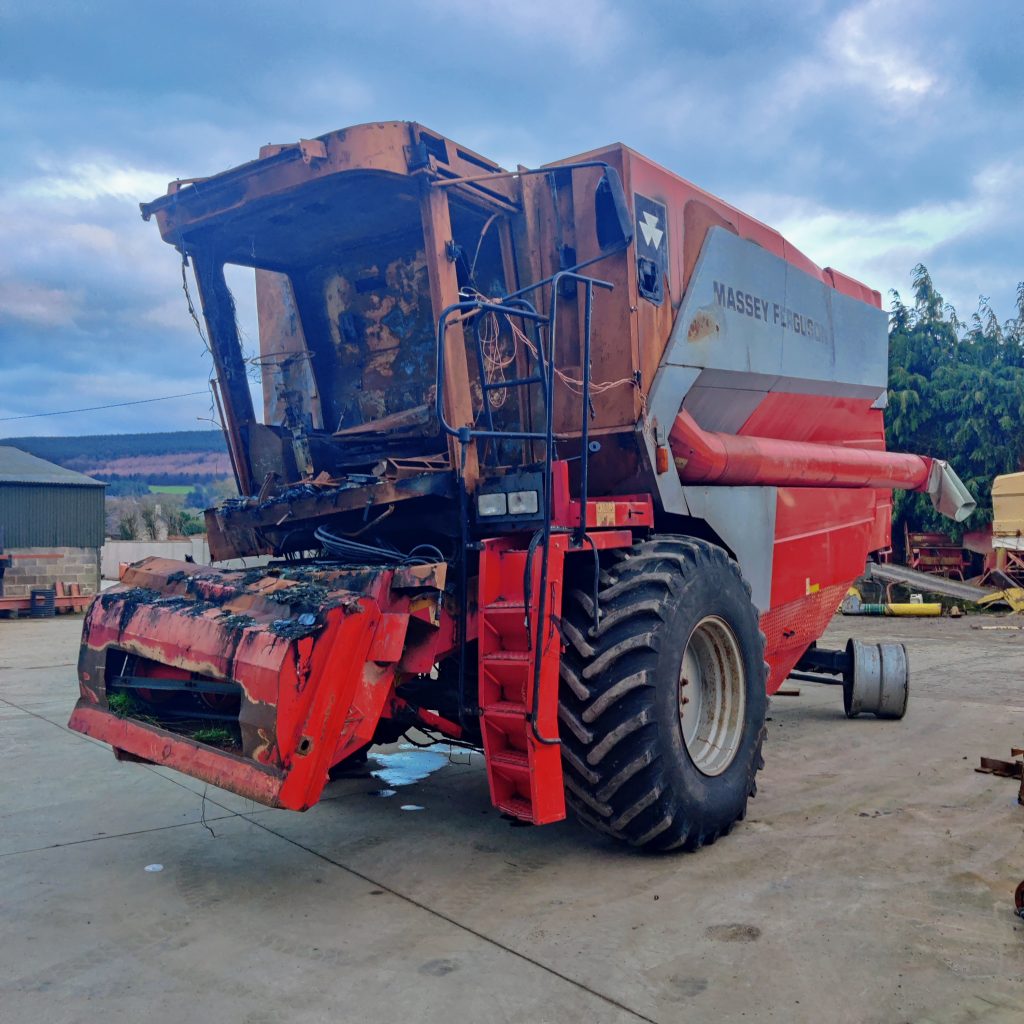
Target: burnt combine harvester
(571, 465)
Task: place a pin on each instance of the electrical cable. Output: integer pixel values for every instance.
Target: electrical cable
(97, 408)
(346, 549)
(496, 361)
(436, 737)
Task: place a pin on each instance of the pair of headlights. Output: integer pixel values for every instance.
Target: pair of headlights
(513, 503)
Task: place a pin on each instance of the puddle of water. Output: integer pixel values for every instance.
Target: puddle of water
(411, 807)
(382, 792)
(410, 764)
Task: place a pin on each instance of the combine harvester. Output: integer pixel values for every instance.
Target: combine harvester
(571, 465)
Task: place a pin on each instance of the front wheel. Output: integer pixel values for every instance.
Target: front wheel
(662, 707)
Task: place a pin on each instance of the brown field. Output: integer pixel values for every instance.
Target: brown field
(194, 464)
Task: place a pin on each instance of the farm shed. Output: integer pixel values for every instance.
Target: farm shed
(51, 527)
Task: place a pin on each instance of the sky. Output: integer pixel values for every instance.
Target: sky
(874, 135)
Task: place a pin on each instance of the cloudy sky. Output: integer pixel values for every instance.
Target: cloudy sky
(875, 135)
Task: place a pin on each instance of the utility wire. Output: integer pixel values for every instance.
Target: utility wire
(95, 408)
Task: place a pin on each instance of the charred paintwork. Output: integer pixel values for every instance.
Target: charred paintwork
(246, 527)
(382, 336)
(412, 577)
(303, 643)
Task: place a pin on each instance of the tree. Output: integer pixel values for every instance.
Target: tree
(956, 392)
(150, 516)
(128, 525)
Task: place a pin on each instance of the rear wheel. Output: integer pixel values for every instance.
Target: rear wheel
(662, 707)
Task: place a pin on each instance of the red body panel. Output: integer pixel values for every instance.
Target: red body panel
(676, 193)
(831, 508)
(822, 535)
(308, 697)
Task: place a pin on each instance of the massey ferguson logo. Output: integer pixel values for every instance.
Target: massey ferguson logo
(650, 230)
(758, 307)
(652, 244)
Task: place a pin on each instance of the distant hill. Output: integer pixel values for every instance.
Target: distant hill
(174, 457)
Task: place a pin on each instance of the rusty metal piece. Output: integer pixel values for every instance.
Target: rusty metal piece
(237, 530)
(312, 150)
(403, 420)
(415, 577)
(285, 358)
(1004, 769)
(1018, 899)
(444, 292)
(402, 469)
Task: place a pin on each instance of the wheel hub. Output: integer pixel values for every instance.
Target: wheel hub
(712, 695)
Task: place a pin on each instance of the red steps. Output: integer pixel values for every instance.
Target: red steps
(524, 773)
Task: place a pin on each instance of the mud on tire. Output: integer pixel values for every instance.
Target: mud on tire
(629, 770)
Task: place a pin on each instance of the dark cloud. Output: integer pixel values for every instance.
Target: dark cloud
(874, 134)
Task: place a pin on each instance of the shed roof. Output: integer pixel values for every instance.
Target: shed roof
(18, 467)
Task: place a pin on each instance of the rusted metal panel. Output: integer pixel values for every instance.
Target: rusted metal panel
(414, 577)
(289, 384)
(1009, 770)
(184, 210)
(382, 330)
(382, 146)
(617, 324)
(444, 292)
(1006, 769)
(248, 527)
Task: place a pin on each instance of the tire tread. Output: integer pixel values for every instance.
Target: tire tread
(615, 781)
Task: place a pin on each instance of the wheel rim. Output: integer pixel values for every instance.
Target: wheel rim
(712, 695)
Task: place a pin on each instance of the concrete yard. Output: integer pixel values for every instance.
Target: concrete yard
(871, 882)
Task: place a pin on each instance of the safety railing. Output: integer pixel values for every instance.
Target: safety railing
(544, 377)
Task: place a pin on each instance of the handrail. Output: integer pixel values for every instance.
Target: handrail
(545, 544)
(466, 434)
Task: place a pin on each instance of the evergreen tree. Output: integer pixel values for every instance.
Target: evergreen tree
(956, 392)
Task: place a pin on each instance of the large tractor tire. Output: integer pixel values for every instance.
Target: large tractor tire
(662, 707)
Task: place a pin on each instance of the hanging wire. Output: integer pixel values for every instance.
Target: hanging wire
(191, 306)
(356, 552)
(497, 359)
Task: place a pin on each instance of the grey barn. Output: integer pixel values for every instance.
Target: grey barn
(51, 525)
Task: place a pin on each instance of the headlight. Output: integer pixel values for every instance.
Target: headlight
(522, 503)
(491, 505)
